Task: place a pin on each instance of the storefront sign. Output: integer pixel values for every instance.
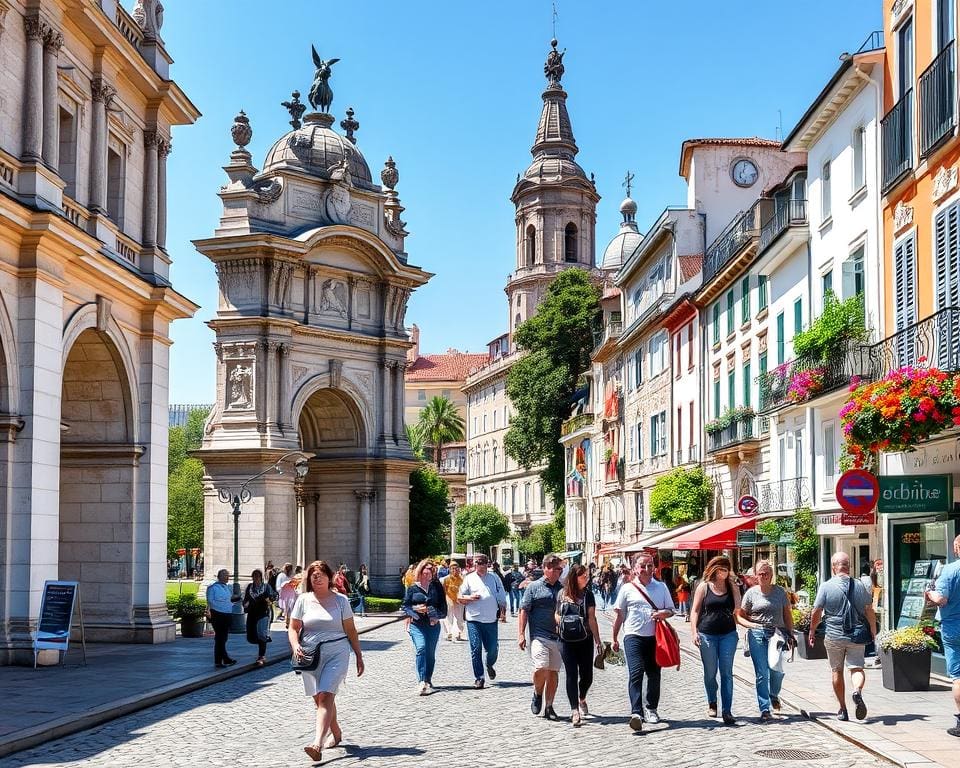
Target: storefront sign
(857, 491)
(858, 518)
(920, 493)
(749, 539)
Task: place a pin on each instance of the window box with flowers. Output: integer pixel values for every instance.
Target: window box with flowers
(905, 654)
(806, 383)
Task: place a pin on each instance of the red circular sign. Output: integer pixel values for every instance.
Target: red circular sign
(748, 505)
(857, 491)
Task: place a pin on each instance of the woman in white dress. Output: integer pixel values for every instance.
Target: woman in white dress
(322, 622)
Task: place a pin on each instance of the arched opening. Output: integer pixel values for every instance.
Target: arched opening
(530, 246)
(330, 424)
(570, 243)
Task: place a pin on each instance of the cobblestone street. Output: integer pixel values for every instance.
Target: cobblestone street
(263, 719)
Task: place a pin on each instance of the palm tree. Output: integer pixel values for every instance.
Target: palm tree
(415, 438)
(440, 423)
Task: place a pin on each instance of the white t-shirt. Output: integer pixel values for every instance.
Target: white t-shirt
(282, 579)
(636, 610)
(492, 596)
(319, 623)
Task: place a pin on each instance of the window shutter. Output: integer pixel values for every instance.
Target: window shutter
(905, 295)
(947, 266)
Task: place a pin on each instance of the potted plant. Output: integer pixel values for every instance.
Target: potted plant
(191, 613)
(801, 626)
(905, 654)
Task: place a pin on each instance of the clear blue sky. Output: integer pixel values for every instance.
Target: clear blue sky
(452, 91)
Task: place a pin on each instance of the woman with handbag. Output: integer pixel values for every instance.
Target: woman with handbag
(321, 635)
(426, 605)
(257, 599)
(714, 630)
(579, 635)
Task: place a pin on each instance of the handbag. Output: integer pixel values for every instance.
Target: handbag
(667, 642)
(854, 624)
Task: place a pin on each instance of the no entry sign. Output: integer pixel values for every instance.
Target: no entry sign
(748, 506)
(857, 491)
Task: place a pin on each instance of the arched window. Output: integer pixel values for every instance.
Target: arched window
(530, 246)
(570, 242)
(494, 458)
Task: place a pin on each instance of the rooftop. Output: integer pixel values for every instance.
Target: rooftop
(452, 366)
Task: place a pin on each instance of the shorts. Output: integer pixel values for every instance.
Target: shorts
(842, 653)
(546, 654)
(951, 653)
(331, 670)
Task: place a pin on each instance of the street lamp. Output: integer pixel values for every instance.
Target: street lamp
(242, 496)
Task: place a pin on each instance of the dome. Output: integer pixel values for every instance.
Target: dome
(628, 206)
(623, 244)
(547, 168)
(315, 148)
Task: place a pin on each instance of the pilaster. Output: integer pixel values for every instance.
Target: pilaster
(52, 41)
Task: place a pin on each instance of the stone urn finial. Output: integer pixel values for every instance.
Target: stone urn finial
(241, 130)
(390, 175)
(350, 126)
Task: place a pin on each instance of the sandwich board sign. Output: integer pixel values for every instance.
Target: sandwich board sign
(56, 618)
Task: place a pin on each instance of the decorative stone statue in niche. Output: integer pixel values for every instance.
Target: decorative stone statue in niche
(241, 389)
(333, 297)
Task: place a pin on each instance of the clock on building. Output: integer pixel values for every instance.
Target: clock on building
(744, 173)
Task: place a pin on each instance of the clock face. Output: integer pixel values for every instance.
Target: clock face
(744, 173)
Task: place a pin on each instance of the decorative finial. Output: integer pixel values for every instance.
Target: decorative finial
(241, 130)
(320, 96)
(553, 69)
(627, 182)
(295, 108)
(593, 180)
(390, 175)
(350, 125)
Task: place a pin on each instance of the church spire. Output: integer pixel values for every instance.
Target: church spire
(554, 133)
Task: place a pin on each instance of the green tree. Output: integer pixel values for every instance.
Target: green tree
(680, 497)
(806, 544)
(558, 340)
(415, 438)
(185, 485)
(429, 516)
(440, 424)
(482, 524)
(543, 539)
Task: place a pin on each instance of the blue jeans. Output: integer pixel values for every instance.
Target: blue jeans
(717, 652)
(640, 654)
(483, 636)
(768, 680)
(425, 642)
(514, 600)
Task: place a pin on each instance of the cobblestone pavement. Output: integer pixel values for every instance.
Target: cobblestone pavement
(263, 719)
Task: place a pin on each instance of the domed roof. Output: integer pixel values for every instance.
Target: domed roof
(628, 206)
(316, 148)
(547, 168)
(625, 241)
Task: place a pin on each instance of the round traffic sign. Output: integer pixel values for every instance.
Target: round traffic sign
(748, 505)
(857, 490)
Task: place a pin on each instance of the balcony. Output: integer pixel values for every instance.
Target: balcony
(453, 461)
(607, 335)
(788, 213)
(785, 495)
(739, 233)
(874, 42)
(897, 136)
(575, 423)
(934, 341)
(800, 381)
(738, 435)
(937, 109)
(690, 455)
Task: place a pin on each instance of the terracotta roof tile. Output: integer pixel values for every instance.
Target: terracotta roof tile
(453, 366)
(690, 266)
(689, 144)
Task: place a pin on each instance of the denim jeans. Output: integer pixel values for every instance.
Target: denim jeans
(425, 642)
(483, 636)
(768, 680)
(641, 656)
(514, 600)
(717, 652)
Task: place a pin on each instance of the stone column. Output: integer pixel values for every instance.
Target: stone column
(398, 433)
(310, 507)
(102, 96)
(365, 497)
(284, 416)
(270, 396)
(33, 89)
(150, 144)
(163, 150)
(387, 398)
(52, 40)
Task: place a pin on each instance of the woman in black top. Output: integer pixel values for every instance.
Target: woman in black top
(579, 635)
(715, 632)
(257, 602)
(425, 604)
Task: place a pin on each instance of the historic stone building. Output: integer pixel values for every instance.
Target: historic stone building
(86, 111)
(311, 351)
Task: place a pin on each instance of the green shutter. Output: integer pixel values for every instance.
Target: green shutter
(761, 292)
(780, 339)
(716, 399)
(730, 303)
(746, 384)
(797, 316)
(745, 299)
(716, 323)
(732, 389)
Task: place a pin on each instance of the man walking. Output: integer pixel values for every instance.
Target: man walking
(538, 608)
(483, 598)
(220, 600)
(946, 595)
(641, 602)
(512, 584)
(847, 611)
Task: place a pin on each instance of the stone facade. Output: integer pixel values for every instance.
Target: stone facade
(85, 310)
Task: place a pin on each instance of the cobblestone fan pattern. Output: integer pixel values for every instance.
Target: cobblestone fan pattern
(263, 719)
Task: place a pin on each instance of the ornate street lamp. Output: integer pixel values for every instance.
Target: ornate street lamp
(242, 496)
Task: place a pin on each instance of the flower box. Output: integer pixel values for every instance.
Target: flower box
(818, 651)
(905, 670)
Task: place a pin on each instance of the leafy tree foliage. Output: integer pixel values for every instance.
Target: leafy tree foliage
(440, 424)
(415, 438)
(806, 544)
(185, 485)
(558, 340)
(429, 517)
(680, 497)
(543, 539)
(483, 524)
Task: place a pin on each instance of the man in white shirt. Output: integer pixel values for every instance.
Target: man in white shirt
(484, 599)
(220, 600)
(638, 616)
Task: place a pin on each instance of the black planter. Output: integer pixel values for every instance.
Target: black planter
(805, 651)
(906, 671)
(191, 626)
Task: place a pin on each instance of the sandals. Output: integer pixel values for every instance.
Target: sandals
(313, 751)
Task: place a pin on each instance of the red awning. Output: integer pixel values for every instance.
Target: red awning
(609, 548)
(717, 534)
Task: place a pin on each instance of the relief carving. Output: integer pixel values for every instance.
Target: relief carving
(902, 216)
(333, 297)
(362, 216)
(240, 387)
(299, 372)
(336, 373)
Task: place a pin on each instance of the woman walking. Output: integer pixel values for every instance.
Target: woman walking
(451, 586)
(257, 599)
(714, 630)
(765, 612)
(579, 636)
(322, 623)
(426, 605)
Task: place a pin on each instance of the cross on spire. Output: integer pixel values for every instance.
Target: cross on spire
(554, 18)
(627, 182)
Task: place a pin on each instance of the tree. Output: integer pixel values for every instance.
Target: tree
(482, 524)
(806, 544)
(415, 438)
(558, 340)
(429, 515)
(543, 539)
(440, 424)
(680, 497)
(185, 485)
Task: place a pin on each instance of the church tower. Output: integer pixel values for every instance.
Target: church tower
(555, 204)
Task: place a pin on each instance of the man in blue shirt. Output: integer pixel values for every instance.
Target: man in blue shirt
(946, 595)
(538, 608)
(220, 600)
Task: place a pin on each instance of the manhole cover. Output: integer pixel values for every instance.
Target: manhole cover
(791, 754)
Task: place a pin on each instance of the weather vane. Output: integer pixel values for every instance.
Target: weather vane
(627, 180)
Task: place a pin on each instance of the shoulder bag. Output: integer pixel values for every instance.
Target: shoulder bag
(668, 644)
(311, 656)
(572, 628)
(854, 623)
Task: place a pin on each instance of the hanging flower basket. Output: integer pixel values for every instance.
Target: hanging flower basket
(805, 384)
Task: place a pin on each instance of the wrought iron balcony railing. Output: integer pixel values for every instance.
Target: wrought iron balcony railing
(784, 495)
(799, 381)
(689, 455)
(897, 135)
(738, 235)
(789, 213)
(574, 423)
(743, 431)
(933, 341)
(937, 86)
(874, 42)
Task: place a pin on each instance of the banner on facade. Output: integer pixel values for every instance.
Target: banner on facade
(902, 494)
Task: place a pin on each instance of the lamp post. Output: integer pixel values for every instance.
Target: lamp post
(242, 496)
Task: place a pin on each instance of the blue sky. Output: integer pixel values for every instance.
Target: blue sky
(452, 91)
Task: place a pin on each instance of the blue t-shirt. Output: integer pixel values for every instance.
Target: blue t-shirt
(540, 603)
(948, 585)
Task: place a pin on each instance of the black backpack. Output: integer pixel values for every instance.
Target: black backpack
(572, 627)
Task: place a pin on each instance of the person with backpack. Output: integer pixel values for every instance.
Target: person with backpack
(579, 635)
(538, 608)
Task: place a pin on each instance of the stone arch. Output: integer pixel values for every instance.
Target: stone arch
(330, 422)
(746, 484)
(347, 394)
(530, 245)
(365, 245)
(570, 244)
(9, 373)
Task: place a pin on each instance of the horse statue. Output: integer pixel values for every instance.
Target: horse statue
(321, 96)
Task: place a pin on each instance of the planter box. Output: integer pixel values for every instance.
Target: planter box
(904, 671)
(192, 627)
(805, 651)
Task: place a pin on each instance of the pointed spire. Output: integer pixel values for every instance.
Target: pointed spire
(554, 133)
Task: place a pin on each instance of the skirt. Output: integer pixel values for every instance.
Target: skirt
(331, 670)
